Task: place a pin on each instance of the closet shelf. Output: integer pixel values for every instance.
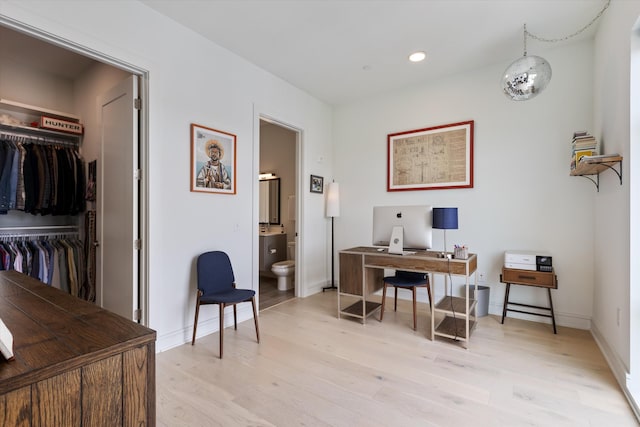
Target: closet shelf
(26, 113)
(6, 104)
(39, 133)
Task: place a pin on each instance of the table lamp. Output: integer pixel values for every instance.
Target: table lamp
(445, 219)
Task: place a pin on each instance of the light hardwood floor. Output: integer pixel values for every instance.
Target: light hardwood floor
(313, 369)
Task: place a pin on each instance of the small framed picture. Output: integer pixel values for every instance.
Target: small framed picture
(317, 184)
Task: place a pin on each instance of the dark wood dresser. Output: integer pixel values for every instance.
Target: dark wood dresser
(76, 364)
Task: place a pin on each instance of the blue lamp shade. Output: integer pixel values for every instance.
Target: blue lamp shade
(445, 218)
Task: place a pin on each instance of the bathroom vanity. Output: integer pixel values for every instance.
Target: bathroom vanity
(273, 248)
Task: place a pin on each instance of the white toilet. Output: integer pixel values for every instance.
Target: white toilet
(285, 270)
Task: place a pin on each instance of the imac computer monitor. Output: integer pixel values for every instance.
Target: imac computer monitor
(415, 231)
(410, 226)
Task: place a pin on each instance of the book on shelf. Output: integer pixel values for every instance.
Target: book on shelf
(581, 153)
(598, 157)
(6, 342)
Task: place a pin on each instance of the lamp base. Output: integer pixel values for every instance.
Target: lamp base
(329, 287)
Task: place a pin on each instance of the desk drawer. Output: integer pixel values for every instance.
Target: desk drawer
(532, 278)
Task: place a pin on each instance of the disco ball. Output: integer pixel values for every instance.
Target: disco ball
(526, 77)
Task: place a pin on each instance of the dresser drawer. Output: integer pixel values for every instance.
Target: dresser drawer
(532, 278)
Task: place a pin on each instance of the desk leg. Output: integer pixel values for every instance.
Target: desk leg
(553, 316)
(506, 302)
(432, 305)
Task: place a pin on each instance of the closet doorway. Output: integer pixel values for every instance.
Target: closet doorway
(38, 69)
(278, 231)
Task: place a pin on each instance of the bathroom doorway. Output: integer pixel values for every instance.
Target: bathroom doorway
(278, 217)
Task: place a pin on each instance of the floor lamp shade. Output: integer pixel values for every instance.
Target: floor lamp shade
(445, 218)
(333, 199)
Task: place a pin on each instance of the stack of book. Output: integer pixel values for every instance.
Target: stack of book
(582, 145)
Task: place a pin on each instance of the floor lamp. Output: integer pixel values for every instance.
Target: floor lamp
(333, 210)
(445, 219)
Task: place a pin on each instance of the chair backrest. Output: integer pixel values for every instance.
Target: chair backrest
(411, 275)
(215, 272)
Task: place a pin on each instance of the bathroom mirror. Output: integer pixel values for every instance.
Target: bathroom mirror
(270, 201)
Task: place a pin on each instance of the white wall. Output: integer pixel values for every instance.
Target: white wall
(192, 80)
(616, 248)
(523, 196)
(28, 86)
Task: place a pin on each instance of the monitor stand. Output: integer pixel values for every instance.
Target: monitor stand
(396, 242)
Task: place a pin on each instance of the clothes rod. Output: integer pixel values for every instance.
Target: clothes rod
(42, 227)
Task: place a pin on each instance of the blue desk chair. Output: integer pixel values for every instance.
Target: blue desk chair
(216, 285)
(406, 280)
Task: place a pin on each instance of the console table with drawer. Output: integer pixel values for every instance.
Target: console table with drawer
(540, 279)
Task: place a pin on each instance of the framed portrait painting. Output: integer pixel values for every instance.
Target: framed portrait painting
(439, 157)
(213, 160)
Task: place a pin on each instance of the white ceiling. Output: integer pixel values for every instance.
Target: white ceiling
(343, 50)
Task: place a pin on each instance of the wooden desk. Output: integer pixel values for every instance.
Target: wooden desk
(362, 272)
(540, 279)
(76, 364)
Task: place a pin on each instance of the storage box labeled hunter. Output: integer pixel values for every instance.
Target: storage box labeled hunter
(60, 125)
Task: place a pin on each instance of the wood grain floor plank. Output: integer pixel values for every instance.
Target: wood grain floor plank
(313, 369)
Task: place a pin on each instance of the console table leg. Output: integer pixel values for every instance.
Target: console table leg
(553, 317)
(506, 302)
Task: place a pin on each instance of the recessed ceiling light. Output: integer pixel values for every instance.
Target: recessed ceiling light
(417, 56)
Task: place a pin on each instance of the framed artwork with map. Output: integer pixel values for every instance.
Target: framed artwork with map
(434, 158)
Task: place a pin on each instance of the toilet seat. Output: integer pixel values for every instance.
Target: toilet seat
(283, 265)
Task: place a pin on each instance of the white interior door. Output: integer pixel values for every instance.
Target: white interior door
(118, 198)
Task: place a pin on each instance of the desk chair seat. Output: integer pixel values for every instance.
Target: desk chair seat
(216, 285)
(406, 280)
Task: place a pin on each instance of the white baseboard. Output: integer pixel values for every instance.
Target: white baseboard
(617, 367)
(206, 326)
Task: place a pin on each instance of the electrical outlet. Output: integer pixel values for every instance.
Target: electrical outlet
(481, 277)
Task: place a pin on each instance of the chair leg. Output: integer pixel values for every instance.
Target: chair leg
(221, 327)
(429, 293)
(255, 318)
(195, 323)
(235, 317)
(395, 300)
(415, 323)
(384, 298)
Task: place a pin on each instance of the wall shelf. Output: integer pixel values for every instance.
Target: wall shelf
(593, 166)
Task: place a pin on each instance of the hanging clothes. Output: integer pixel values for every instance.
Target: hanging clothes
(40, 178)
(58, 262)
